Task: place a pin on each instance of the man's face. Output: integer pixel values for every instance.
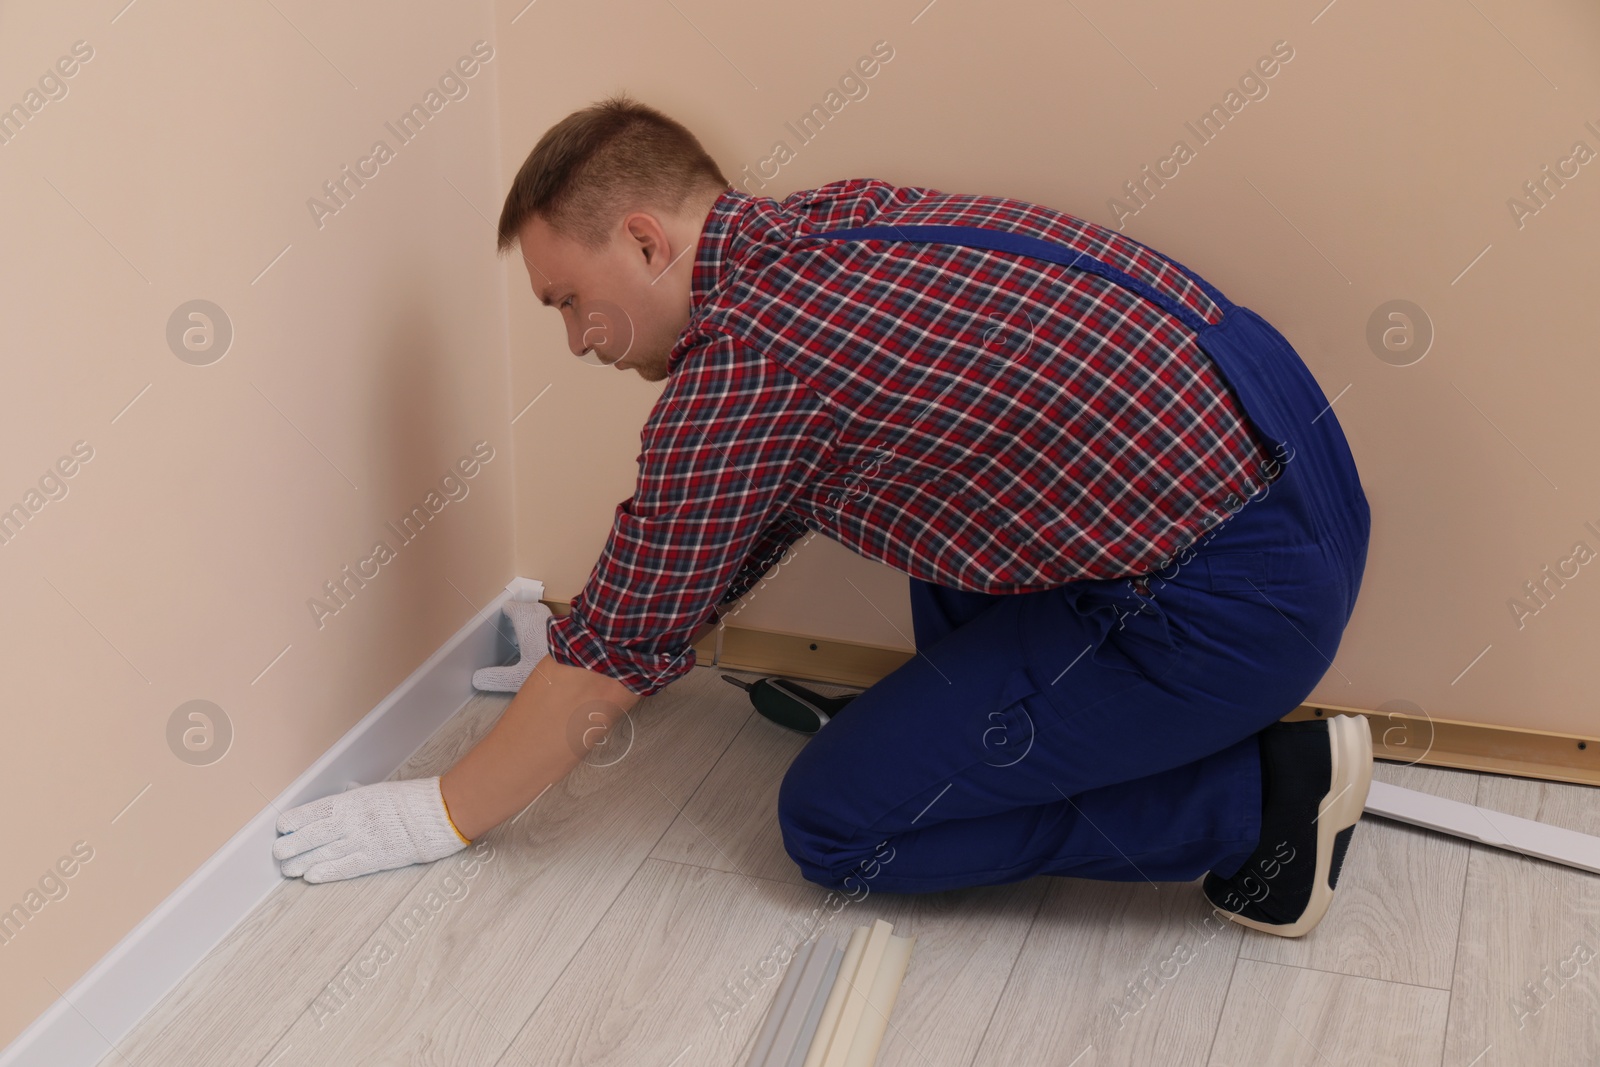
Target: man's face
(627, 301)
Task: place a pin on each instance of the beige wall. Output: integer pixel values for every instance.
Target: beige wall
(213, 501)
(371, 356)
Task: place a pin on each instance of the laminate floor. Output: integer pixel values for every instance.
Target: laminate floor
(638, 914)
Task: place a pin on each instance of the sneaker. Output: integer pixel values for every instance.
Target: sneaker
(1314, 779)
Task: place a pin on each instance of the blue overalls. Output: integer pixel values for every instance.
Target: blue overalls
(1090, 730)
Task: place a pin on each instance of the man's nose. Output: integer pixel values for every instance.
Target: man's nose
(575, 332)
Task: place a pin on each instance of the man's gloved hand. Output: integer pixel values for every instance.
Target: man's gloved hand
(370, 828)
(528, 618)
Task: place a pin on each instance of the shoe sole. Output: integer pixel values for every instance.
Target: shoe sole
(1350, 746)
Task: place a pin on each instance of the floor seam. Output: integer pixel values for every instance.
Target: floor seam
(1022, 946)
(645, 858)
(1216, 1029)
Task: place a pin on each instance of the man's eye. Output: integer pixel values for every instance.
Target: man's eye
(565, 302)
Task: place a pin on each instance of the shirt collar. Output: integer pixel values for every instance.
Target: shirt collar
(716, 236)
(722, 240)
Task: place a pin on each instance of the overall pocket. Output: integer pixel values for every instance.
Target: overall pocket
(1135, 633)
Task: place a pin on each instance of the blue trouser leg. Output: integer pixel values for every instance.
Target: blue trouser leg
(1088, 730)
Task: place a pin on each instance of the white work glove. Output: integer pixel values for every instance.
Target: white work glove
(528, 618)
(369, 828)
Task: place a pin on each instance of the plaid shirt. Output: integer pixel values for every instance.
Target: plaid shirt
(970, 417)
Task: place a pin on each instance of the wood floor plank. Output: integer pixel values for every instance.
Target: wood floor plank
(685, 965)
(1115, 973)
(1527, 975)
(1292, 1017)
(500, 947)
(731, 823)
(1398, 905)
(433, 964)
(279, 960)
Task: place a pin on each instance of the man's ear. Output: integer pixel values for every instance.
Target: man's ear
(648, 236)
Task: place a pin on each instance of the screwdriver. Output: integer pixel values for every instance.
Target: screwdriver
(790, 705)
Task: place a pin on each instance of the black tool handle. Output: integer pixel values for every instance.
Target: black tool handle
(794, 706)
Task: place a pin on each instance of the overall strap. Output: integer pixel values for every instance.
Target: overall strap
(1024, 245)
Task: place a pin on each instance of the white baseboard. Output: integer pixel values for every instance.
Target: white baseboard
(103, 1006)
(1510, 832)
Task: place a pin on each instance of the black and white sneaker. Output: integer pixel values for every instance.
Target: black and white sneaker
(1314, 779)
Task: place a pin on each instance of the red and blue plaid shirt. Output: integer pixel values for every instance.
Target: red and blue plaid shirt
(974, 418)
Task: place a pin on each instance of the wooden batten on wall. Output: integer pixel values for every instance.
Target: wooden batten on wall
(1401, 738)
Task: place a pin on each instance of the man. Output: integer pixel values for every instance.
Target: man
(1133, 527)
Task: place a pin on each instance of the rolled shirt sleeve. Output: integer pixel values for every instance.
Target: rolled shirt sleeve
(732, 441)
